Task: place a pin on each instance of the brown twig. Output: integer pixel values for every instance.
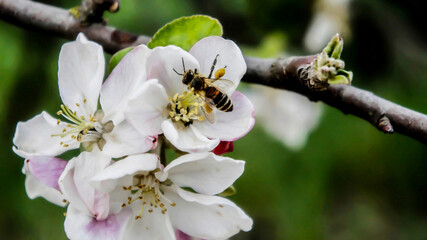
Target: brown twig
(59, 22)
(91, 11)
(278, 73)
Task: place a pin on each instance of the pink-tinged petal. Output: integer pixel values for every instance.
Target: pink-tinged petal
(161, 65)
(147, 111)
(79, 225)
(187, 139)
(123, 82)
(36, 188)
(152, 226)
(69, 188)
(230, 126)
(125, 140)
(230, 56)
(224, 147)
(74, 183)
(109, 178)
(81, 71)
(182, 235)
(46, 169)
(209, 217)
(34, 137)
(205, 173)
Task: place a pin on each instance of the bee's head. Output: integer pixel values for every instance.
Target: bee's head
(188, 77)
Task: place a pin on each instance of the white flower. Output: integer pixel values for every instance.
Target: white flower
(90, 214)
(80, 75)
(160, 205)
(330, 17)
(167, 105)
(286, 116)
(42, 174)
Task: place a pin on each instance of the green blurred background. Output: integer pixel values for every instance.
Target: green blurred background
(350, 181)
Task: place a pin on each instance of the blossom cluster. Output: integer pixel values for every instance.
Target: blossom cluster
(120, 186)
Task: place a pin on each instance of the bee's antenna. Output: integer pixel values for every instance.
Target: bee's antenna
(213, 66)
(180, 74)
(183, 66)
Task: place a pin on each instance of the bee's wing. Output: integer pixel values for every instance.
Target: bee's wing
(224, 85)
(207, 108)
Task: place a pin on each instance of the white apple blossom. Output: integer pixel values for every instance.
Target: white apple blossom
(167, 105)
(42, 174)
(80, 76)
(286, 116)
(160, 205)
(330, 17)
(91, 215)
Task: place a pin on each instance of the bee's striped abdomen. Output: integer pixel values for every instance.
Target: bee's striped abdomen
(221, 100)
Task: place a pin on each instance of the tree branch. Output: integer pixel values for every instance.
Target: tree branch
(59, 22)
(278, 73)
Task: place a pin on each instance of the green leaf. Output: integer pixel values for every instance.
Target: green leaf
(186, 31)
(117, 57)
(228, 192)
(334, 47)
(342, 77)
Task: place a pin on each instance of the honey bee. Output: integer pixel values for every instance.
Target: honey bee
(209, 89)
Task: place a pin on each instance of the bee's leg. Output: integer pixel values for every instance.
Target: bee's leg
(213, 66)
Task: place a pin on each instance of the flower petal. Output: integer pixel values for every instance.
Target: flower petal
(230, 126)
(35, 188)
(161, 65)
(46, 169)
(205, 216)
(74, 183)
(287, 116)
(80, 74)
(188, 139)
(33, 137)
(123, 83)
(206, 173)
(153, 226)
(230, 56)
(224, 147)
(79, 225)
(107, 180)
(148, 110)
(125, 140)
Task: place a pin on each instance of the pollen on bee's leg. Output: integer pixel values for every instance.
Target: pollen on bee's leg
(220, 73)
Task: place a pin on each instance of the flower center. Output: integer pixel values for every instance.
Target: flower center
(83, 129)
(146, 190)
(185, 107)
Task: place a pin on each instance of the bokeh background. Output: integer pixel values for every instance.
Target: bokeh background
(347, 181)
